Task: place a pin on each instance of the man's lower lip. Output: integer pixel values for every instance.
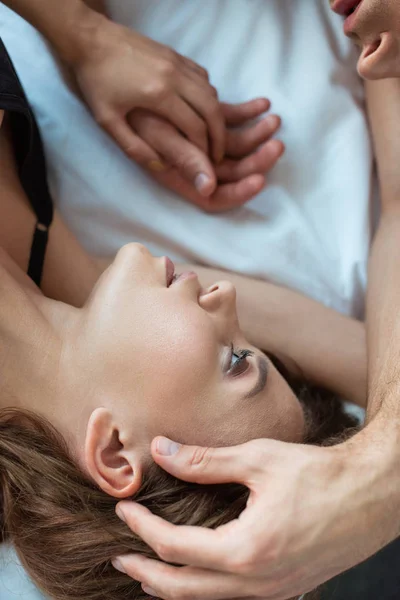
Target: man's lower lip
(342, 7)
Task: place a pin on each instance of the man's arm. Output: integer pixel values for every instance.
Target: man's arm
(383, 299)
(68, 26)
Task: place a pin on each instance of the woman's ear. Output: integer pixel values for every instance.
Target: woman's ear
(115, 469)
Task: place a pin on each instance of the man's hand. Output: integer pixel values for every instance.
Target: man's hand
(250, 153)
(121, 74)
(305, 520)
(119, 69)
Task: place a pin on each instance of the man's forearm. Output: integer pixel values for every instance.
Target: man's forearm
(383, 322)
(383, 297)
(68, 25)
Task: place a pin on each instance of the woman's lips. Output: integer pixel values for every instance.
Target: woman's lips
(170, 270)
(172, 277)
(183, 276)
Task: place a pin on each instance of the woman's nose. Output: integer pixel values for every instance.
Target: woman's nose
(220, 299)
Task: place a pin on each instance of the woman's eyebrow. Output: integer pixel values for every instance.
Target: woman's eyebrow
(262, 378)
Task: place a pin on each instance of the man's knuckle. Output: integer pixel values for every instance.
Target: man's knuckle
(201, 458)
(187, 163)
(200, 129)
(203, 72)
(145, 123)
(157, 90)
(167, 66)
(179, 593)
(243, 562)
(164, 550)
(178, 589)
(214, 92)
(256, 451)
(214, 109)
(172, 56)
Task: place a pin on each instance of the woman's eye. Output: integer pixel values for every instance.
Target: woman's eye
(239, 363)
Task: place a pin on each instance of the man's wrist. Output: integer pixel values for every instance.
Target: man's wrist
(373, 479)
(69, 27)
(74, 33)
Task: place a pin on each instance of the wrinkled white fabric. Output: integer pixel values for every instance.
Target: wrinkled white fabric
(310, 228)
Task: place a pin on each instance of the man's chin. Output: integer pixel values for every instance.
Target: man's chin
(380, 58)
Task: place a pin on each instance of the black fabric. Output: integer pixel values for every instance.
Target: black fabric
(378, 578)
(30, 159)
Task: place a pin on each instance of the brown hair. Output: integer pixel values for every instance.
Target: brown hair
(65, 529)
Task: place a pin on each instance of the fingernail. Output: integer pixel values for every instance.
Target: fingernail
(149, 591)
(166, 447)
(120, 514)
(202, 180)
(116, 563)
(156, 165)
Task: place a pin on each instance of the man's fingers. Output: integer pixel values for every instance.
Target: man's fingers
(165, 581)
(191, 162)
(205, 465)
(176, 151)
(240, 143)
(238, 114)
(261, 161)
(195, 67)
(176, 110)
(206, 104)
(131, 143)
(185, 545)
(199, 79)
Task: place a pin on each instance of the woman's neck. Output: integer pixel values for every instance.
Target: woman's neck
(28, 346)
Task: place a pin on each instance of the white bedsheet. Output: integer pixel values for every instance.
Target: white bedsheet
(14, 583)
(310, 229)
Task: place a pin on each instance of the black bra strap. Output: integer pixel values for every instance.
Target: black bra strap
(30, 160)
(38, 253)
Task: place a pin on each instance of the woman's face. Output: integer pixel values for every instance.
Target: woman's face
(168, 358)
